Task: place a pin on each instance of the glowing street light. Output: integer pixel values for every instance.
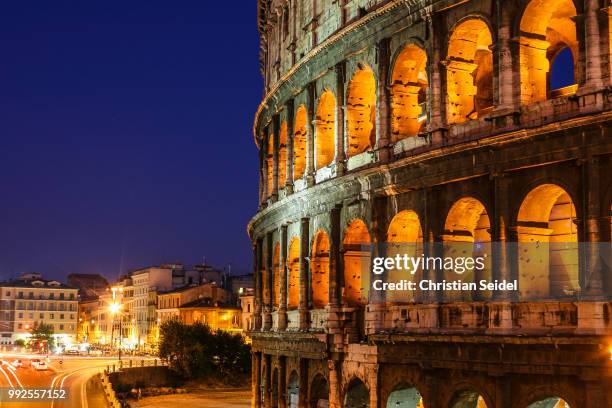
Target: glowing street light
(114, 308)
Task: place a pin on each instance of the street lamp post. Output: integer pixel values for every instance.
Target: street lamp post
(115, 308)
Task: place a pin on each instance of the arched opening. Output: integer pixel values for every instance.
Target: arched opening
(562, 70)
(319, 392)
(405, 397)
(274, 396)
(404, 237)
(409, 86)
(293, 390)
(361, 112)
(270, 163)
(357, 260)
(282, 155)
(467, 233)
(276, 269)
(320, 270)
(293, 282)
(547, 28)
(552, 402)
(469, 71)
(468, 399)
(548, 244)
(299, 142)
(325, 144)
(357, 395)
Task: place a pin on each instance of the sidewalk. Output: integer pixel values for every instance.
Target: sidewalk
(202, 399)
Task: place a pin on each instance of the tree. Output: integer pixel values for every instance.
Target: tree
(42, 336)
(195, 351)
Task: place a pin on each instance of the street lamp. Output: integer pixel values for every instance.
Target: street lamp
(115, 308)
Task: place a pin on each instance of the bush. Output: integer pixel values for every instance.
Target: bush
(194, 351)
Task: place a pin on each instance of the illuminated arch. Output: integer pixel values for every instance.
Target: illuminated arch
(300, 142)
(282, 155)
(320, 270)
(552, 402)
(357, 395)
(361, 112)
(469, 68)
(467, 232)
(319, 392)
(357, 259)
(468, 398)
(409, 85)
(293, 283)
(276, 270)
(405, 396)
(270, 163)
(293, 386)
(547, 27)
(404, 237)
(325, 143)
(548, 244)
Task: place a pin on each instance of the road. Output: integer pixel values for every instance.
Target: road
(70, 373)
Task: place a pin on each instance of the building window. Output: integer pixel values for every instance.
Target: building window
(20, 315)
(62, 316)
(19, 326)
(52, 315)
(41, 316)
(61, 327)
(62, 296)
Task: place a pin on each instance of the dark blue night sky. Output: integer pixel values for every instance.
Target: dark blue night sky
(126, 134)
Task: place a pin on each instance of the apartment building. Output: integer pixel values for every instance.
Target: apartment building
(169, 303)
(31, 300)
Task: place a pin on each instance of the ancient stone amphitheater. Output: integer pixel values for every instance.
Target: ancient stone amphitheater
(483, 122)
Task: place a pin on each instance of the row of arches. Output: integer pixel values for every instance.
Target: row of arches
(546, 219)
(548, 51)
(404, 395)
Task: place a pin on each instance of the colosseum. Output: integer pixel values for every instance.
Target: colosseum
(389, 125)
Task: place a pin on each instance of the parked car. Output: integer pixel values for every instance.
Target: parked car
(41, 366)
(95, 352)
(72, 352)
(17, 363)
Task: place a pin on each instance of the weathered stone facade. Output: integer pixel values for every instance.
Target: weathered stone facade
(432, 121)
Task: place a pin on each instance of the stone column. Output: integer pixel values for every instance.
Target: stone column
(267, 307)
(290, 135)
(504, 52)
(262, 176)
(282, 382)
(275, 156)
(303, 396)
(340, 106)
(256, 380)
(304, 274)
(428, 311)
(334, 257)
(503, 253)
(592, 45)
(436, 100)
(502, 249)
(383, 100)
(310, 154)
(257, 253)
(373, 382)
(267, 398)
(593, 279)
(334, 385)
(282, 301)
